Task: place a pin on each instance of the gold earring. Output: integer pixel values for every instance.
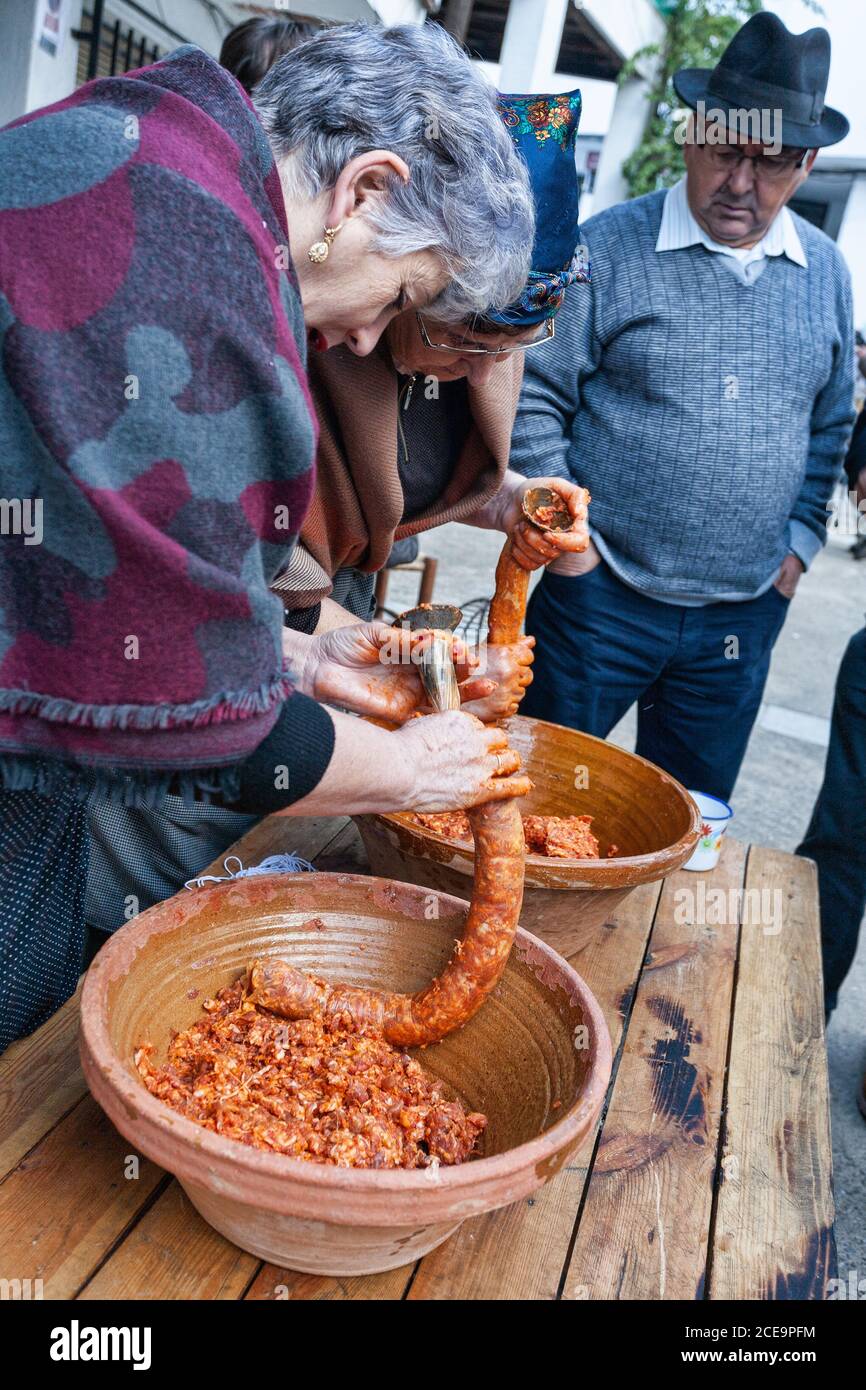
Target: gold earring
(319, 250)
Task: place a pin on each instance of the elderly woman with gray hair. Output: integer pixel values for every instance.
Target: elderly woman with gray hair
(204, 245)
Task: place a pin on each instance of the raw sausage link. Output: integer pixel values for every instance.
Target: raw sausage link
(508, 606)
(449, 1001)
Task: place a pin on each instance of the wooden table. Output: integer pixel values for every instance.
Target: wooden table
(710, 1176)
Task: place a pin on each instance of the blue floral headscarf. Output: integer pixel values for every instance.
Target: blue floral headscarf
(544, 129)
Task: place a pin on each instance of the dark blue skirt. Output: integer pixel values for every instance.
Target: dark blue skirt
(43, 876)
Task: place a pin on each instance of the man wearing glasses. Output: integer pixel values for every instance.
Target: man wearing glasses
(703, 392)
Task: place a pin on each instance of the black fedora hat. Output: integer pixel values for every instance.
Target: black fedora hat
(767, 67)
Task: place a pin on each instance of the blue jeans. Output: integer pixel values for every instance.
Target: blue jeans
(697, 674)
(836, 838)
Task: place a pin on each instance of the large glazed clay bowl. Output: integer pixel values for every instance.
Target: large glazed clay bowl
(535, 1059)
(634, 805)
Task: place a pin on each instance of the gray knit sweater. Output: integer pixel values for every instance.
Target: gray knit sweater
(707, 417)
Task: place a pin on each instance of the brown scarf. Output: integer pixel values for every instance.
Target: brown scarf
(357, 509)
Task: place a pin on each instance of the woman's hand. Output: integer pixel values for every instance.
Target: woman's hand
(509, 667)
(453, 761)
(368, 668)
(532, 547)
(441, 763)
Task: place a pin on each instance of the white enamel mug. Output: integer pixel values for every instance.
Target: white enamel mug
(716, 816)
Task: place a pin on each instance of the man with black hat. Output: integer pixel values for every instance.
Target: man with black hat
(703, 392)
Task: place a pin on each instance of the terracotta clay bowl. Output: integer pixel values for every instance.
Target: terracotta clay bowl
(633, 804)
(536, 1060)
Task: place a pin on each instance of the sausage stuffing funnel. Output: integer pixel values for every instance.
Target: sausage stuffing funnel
(535, 1059)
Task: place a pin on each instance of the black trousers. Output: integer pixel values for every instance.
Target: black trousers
(836, 838)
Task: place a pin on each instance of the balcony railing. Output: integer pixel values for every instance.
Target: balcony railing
(108, 46)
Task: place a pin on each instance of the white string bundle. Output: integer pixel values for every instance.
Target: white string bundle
(274, 864)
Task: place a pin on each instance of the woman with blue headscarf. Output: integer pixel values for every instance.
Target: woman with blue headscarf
(418, 433)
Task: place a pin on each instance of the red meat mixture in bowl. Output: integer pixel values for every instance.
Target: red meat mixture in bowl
(326, 1095)
(555, 837)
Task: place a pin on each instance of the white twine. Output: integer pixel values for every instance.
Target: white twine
(274, 864)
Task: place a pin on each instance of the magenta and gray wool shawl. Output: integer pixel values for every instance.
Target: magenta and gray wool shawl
(156, 431)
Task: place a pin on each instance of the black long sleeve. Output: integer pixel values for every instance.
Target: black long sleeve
(292, 759)
(303, 619)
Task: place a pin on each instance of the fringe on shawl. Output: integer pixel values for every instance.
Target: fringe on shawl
(215, 709)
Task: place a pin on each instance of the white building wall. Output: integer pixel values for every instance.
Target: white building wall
(396, 11)
(196, 23)
(528, 60)
(627, 124)
(846, 22)
(628, 26)
(31, 77)
(530, 44)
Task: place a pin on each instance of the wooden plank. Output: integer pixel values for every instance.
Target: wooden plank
(345, 854)
(306, 836)
(519, 1252)
(279, 1284)
(773, 1235)
(644, 1229)
(68, 1201)
(40, 1081)
(172, 1252)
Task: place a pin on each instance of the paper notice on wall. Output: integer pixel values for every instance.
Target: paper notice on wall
(52, 26)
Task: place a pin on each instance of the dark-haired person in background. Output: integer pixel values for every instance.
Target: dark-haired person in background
(254, 46)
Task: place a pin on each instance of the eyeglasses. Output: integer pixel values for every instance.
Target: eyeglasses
(455, 342)
(769, 168)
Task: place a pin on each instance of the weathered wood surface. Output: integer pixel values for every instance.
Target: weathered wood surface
(40, 1080)
(520, 1252)
(70, 1200)
(645, 1226)
(710, 1175)
(773, 1234)
(172, 1252)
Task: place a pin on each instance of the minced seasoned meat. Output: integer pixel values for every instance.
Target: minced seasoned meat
(556, 837)
(560, 837)
(327, 1095)
(453, 824)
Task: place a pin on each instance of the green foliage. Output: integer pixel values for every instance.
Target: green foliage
(697, 32)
